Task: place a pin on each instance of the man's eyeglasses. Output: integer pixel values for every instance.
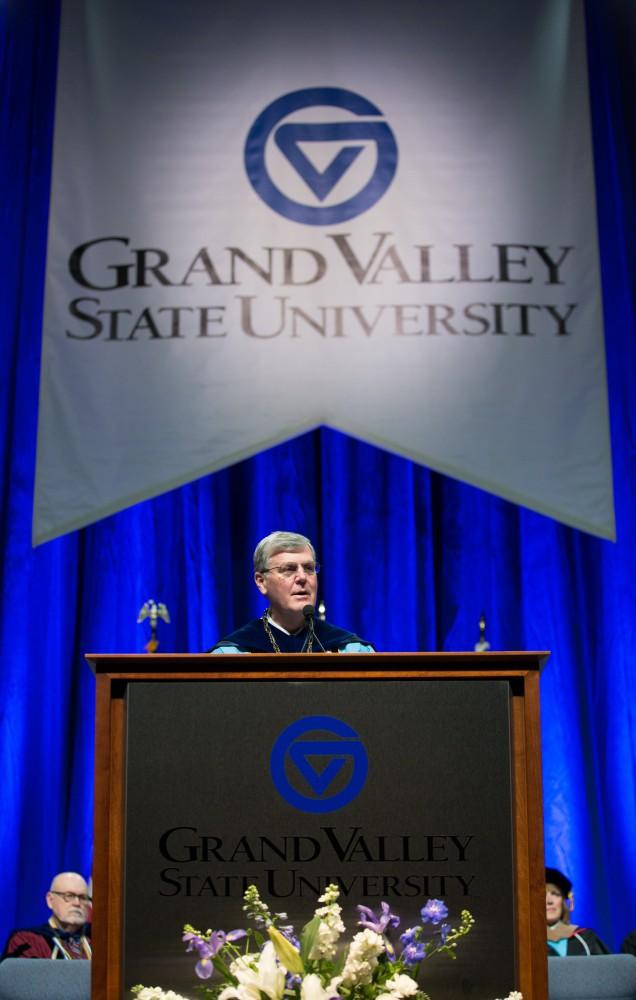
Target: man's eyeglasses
(288, 570)
(68, 897)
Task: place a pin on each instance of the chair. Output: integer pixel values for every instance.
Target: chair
(592, 977)
(43, 979)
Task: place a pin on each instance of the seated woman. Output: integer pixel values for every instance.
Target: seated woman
(564, 937)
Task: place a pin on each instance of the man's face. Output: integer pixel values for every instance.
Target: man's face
(289, 591)
(69, 913)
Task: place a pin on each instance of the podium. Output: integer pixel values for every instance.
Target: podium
(403, 776)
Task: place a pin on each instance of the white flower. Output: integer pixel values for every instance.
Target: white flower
(330, 895)
(362, 958)
(330, 927)
(312, 989)
(256, 974)
(155, 993)
(400, 986)
(515, 995)
(329, 930)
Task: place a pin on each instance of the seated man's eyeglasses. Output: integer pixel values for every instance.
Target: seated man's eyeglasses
(68, 897)
(291, 569)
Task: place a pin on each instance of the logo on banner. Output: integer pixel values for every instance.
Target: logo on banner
(320, 156)
(318, 773)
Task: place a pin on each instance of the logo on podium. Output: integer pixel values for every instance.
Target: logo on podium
(318, 764)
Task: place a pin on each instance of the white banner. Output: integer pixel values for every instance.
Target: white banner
(377, 217)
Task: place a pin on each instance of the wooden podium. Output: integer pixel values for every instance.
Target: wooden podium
(120, 679)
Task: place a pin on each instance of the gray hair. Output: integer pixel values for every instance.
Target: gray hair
(279, 541)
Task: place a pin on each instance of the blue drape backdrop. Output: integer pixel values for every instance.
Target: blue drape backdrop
(410, 558)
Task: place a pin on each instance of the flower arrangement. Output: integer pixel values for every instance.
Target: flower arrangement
(272, 963)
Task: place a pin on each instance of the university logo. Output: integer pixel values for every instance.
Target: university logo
(318, 764)
(320, 156)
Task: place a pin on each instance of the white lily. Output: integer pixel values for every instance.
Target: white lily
(286, 953)
(256, 974)
(312, 989)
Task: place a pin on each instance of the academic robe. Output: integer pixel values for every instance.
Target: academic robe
(252, 638)
(583, 942)
(39, 942)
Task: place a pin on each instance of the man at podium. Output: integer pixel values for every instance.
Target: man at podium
(286, 573)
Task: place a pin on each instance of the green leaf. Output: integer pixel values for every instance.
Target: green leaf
(223, 969)
(308, 937)
(207, 993)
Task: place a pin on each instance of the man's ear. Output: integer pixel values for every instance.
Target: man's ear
(259, 580)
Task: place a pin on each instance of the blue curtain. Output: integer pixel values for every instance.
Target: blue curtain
(411, 559)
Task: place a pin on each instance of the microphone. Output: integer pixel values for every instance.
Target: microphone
(309, 614)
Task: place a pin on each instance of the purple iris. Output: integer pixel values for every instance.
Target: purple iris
(434, 911)
(389, 950)
(206, 950)
(378, 924)
(192, 940)
(204, 968)
(443, 932)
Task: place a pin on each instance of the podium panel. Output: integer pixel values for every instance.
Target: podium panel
(416, 779)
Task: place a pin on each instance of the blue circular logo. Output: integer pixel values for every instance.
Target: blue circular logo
(346, 140)
(333, 768)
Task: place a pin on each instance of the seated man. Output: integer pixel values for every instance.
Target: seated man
(66, 935)
(285, 572)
